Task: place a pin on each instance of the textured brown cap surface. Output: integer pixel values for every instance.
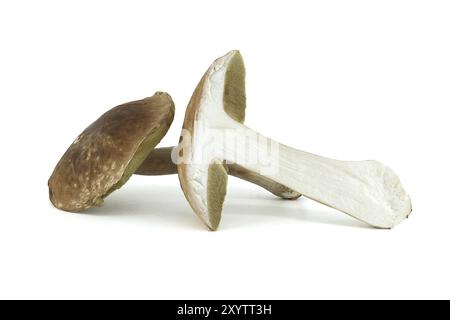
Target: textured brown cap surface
(108, 152)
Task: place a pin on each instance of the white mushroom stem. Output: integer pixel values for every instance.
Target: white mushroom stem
(366, 190)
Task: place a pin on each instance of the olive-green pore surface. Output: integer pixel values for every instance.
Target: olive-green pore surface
(217, 190)
(234, 97)
(108, 152)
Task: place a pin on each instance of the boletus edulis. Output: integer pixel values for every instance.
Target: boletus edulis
(108, 152)
(214, 138)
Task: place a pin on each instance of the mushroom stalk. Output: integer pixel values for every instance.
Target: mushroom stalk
(366, 190)
(159, 162)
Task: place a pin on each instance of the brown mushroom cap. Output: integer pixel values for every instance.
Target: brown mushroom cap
(109, 151)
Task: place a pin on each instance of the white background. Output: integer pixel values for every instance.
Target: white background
(351, 80)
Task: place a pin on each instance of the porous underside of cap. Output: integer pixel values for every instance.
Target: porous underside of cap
(234, 102)
(108, 152)
(217, 190)
(234, 98)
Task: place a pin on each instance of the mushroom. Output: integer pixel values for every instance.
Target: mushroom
(160, 162)
(108, 152)
(213, 137)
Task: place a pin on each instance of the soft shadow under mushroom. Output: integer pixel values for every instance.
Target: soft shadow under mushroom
(165, 205)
